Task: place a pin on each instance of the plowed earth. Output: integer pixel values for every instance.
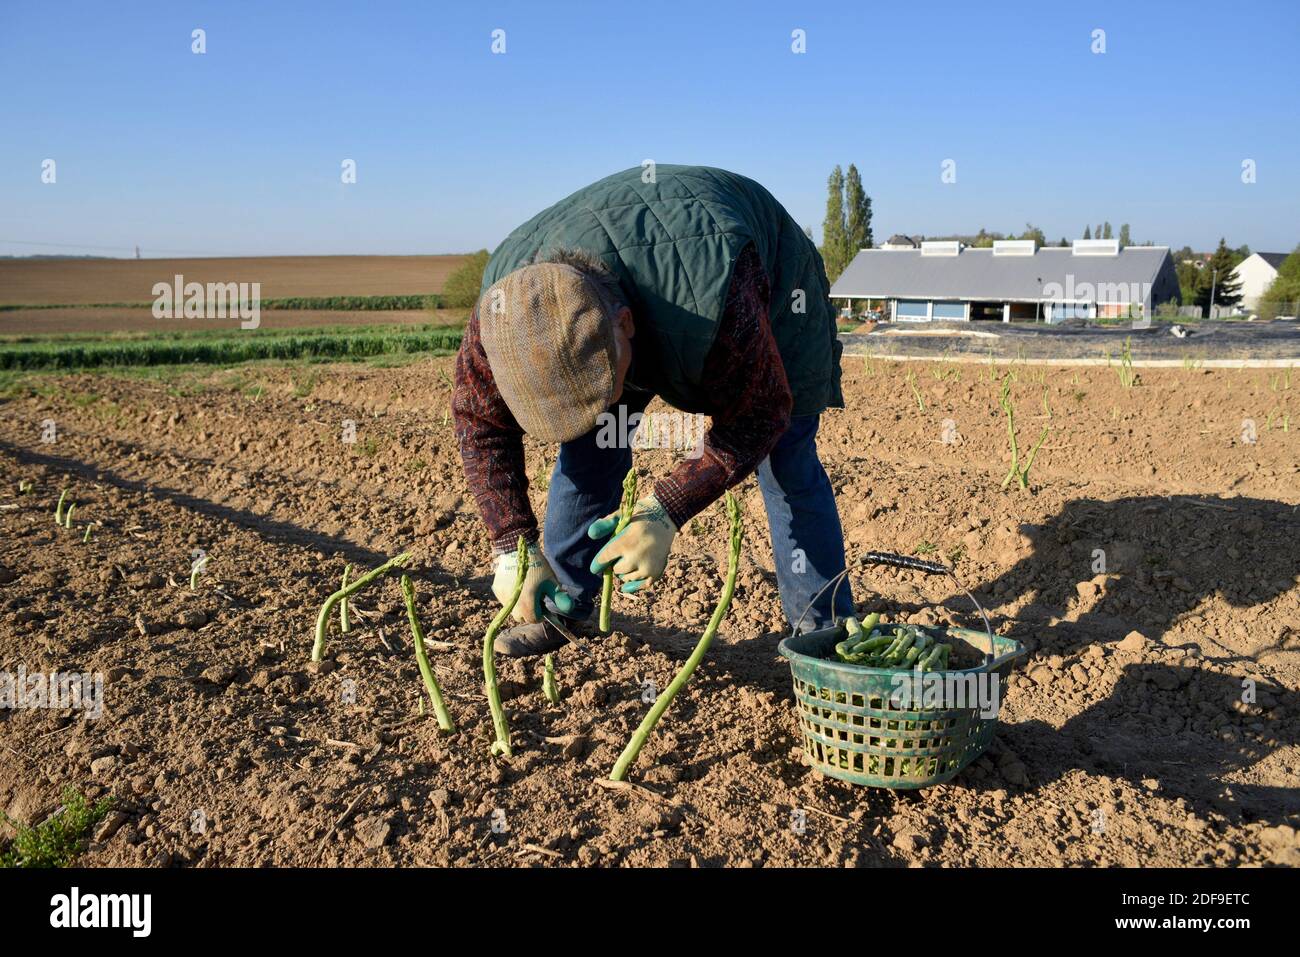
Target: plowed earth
(1151, 571)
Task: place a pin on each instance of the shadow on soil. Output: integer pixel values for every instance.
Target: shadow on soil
(1168, 555)
(272, 530)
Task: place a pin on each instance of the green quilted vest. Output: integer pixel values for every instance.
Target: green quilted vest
(673, 244)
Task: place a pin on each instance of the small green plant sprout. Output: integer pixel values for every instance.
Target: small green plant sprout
(67, 516)
(1018, 471)
(58, 509)
(24, 487)
(322, 620)
(624, 516)
(550, 690)
(542, 480)
(1047, 409)
(1127, 374)
(57, 840)
(85, 539)
(916, 393)
(422, 659)
(345, 621)
(500, 729)
(661, 704)
(945, 371)
(198, 565)
(992, 367)
(926, 548)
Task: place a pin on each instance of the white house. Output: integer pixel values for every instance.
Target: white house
(1257, 272)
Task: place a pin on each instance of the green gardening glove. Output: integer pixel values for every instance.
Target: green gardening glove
(639, 553)
(539, 583)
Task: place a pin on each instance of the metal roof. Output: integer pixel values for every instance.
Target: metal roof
(978, 274)
(1274, 259)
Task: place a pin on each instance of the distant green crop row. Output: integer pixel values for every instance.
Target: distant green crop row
(224, 350)
(339, 303)
(355, 303)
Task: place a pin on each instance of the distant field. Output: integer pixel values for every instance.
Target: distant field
(89, 281)
(25, 322)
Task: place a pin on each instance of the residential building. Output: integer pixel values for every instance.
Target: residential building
(1257, 272)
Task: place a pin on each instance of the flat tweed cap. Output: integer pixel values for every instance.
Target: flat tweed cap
(548, 334)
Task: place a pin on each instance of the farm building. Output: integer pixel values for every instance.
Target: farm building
(1012, 281)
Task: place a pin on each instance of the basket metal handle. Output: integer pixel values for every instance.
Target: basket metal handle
(911, 562)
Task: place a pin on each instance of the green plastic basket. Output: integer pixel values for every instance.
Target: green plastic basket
(866, 726)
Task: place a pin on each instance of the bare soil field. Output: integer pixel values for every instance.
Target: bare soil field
(104, 321)
(72, 281)
(1154, 720)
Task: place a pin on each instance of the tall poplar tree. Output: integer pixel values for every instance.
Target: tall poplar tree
(858, 215)
(835, 226)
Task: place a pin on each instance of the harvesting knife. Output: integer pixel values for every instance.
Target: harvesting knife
(555, 622)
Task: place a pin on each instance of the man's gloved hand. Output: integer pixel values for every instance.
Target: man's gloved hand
(539, 583)
(639, 553)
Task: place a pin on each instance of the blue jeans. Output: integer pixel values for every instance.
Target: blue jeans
(807, 541)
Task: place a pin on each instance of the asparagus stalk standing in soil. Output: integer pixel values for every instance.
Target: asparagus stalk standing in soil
(679, 681)
(322, 620)
(501, 741)
(421, 656)
(625, 516)
(550, 689)
(345, 623)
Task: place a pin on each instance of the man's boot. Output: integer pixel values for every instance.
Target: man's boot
(523, 641)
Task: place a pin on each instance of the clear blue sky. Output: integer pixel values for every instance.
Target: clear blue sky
(238, 151)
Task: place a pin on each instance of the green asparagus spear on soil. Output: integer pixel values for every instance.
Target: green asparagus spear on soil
(345, 623)
(422, 657)
(550, 689)
(679, 681)
(322, 620)
(501, 741)
(625, 516)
